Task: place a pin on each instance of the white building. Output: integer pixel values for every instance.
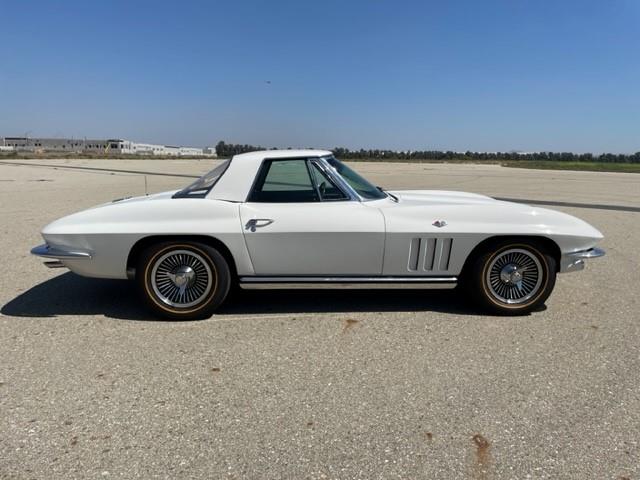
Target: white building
(113, 146)
(134, 148)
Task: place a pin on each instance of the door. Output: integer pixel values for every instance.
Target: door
(298, 222)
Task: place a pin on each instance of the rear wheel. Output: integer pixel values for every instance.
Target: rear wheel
(183, 280)
(512, 278)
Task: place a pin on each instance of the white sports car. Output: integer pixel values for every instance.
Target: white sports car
(303, 219)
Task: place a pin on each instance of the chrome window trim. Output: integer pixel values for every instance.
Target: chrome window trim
(262, 171)
(334, 173)
(180, 193)
(340, 182)
(322, 164)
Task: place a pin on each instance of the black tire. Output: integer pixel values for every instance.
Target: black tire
(493, 283)
(183, 280)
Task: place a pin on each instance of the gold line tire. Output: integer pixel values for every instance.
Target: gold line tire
(512, 277)
(182, 280)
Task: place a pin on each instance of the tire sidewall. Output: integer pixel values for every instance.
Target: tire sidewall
(481, 290)
(219, 270)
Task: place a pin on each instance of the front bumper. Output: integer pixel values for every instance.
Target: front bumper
(574, 262)
(58, 255)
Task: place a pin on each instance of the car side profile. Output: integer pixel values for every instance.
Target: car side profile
(303, 219)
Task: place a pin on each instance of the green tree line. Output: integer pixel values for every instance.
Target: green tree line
(228, 150)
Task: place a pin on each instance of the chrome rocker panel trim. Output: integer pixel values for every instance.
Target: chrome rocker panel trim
(47, 251)
(274, 283)
(574, 262)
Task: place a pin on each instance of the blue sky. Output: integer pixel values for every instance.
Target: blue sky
(481, 75)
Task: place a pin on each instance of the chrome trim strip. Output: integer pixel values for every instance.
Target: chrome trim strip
(591, 253)
(347, 282)
(337, 279)
(47, 251)
(574, 262)
(341, 183)
(350, 286)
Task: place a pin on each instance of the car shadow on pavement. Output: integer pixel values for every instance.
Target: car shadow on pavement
(70, 294)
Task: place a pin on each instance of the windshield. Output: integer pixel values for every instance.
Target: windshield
(204, 184)
(358, 183)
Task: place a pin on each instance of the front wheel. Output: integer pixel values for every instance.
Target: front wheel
(183, 280)
(512, 278)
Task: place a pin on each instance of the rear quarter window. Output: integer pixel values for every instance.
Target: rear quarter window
(202, 186)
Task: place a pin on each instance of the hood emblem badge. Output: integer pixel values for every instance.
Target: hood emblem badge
(439, 223)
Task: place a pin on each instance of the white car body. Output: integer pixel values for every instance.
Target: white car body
(418, 238)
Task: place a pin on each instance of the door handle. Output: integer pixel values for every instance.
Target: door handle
(258, 223)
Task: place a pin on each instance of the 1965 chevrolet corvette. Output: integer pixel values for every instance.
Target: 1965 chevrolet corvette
(303, 219)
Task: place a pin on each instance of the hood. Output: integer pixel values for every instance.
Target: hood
(441, 197)
(471, 213)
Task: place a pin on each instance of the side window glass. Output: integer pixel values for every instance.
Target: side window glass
(284, 181)
(326, 188)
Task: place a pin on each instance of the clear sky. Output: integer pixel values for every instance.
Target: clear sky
(561, 75)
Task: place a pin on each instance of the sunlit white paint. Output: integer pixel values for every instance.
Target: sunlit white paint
(331, 238)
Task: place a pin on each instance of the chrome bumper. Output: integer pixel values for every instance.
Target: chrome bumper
(574, 262)
(58, 255)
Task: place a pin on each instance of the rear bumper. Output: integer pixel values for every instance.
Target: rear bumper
(574, 262)
(58, 255)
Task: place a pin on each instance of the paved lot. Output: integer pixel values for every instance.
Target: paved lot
(317, 385)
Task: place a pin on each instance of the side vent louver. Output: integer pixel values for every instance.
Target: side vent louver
(414, 253)
(445, 253)
(430, 254)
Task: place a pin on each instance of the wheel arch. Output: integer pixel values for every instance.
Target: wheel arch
(146, 242)
(550, 247)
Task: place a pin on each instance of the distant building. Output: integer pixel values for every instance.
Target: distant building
(29, 144)
(210, 151)
(104, 147)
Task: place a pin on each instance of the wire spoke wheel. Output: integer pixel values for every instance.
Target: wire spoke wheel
(181, 278)
(514, 276)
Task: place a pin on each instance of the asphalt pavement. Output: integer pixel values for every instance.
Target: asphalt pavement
(331, 384)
